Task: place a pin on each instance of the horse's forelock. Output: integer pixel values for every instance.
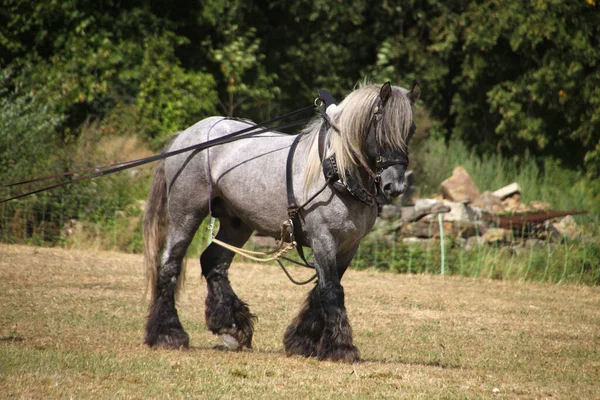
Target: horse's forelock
(397, 120)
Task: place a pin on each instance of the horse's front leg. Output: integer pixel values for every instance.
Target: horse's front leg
(336, 343)
(322, 329)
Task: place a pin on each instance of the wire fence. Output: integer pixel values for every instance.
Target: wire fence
(530, 253)
(87, 222)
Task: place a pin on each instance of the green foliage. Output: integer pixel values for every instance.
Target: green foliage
(25, 121)
(238, 59)
(509, 76)
(171, 98)
(71, 63)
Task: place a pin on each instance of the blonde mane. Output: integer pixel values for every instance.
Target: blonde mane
(352, 116)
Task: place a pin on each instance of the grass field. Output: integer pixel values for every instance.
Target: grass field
(71, 326)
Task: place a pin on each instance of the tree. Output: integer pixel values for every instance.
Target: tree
(240, 63)
(506, 75)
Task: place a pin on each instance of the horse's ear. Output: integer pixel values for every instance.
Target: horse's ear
(385, 93)
(414, 93)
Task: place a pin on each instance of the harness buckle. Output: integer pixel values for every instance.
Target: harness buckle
(287, 227)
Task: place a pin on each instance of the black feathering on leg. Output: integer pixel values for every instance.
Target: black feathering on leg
(163, 327)
(336, 343)
(226, 314)
(304, 333)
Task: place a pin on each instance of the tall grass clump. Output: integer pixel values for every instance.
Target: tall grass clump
(540, 179)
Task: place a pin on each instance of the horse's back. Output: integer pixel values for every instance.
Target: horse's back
(248, 173)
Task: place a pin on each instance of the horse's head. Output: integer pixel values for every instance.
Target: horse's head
(369, 142)
(386, 144)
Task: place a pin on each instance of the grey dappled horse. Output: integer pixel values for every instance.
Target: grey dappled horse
(243, 184)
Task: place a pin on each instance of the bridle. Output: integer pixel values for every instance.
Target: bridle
(376, 195)
(382, 162)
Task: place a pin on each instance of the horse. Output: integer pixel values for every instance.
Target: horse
(243, 184)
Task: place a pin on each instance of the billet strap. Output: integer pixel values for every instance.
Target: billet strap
(326, 100)
(291, 198)
(289, 176)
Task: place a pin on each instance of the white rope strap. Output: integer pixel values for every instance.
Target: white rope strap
(284, 247)
(252, 254)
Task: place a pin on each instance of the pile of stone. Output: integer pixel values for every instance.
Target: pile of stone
(471, 216)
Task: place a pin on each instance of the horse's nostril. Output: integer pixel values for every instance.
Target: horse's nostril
(394, 190)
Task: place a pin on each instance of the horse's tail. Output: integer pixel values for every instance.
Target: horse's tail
(156, 222)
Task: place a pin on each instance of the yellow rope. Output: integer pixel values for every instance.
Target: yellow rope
(284, 247)
(250, 254)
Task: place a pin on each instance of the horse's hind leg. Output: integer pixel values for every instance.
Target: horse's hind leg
(226, 315)
(163, 327)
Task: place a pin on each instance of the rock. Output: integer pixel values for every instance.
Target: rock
(466, 229)
(474, 242)
(514, 204)
(497, 235)
(536, 244)
(507, 191)
(389, 212)
(429, 206)
(546, 231)
(426, 229)
(540, 205)
(458, 212)
(422, 208)
(460, 186)
(488, 201)
(71, 228)
(416, 241)
(420, 229)
(407, 213)
(567, 227)
(426, 204)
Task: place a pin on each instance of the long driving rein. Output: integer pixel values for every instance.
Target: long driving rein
(98, 171)
(331, 172)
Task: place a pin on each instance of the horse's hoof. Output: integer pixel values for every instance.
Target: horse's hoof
(175, 342)
(229, 341)
(343, 353)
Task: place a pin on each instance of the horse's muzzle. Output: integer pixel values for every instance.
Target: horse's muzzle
(394, 189)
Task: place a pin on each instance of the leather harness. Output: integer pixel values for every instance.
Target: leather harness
(331, 172)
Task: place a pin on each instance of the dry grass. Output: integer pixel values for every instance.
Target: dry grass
(71, 325)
